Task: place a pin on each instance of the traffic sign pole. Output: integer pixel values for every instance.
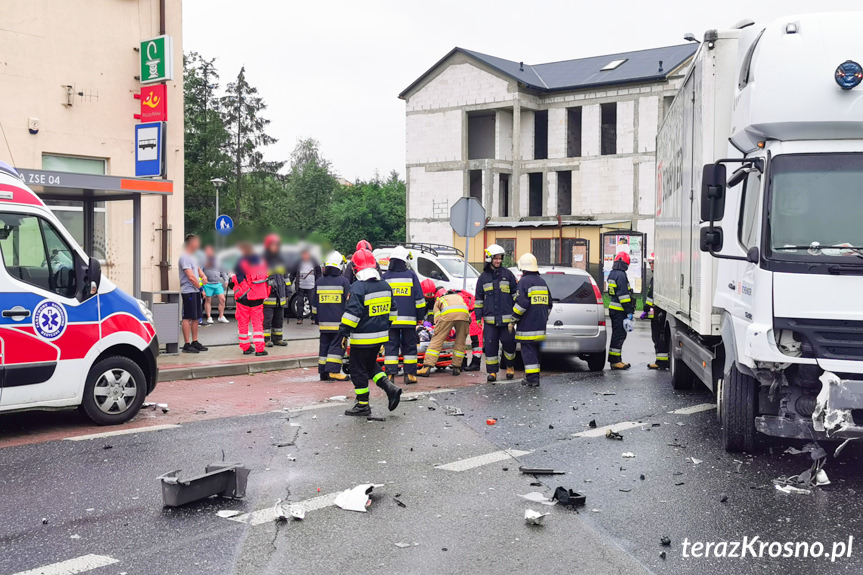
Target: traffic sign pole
(466, 247)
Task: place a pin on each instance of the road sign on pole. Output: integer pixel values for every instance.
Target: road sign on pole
(467, 218)
(224, 225)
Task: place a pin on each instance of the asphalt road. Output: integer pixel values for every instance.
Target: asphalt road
(100, 496)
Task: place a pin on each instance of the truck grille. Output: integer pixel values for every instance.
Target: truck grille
(826, 338)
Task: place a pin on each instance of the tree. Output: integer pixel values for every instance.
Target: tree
(206, 141)
(243, 113)
(311, 188)
(373, 210)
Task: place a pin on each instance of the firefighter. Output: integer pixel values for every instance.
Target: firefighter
(620, 309)
(657, 326)
(328, 306)
(429, 290)
(274, 305)
(450, 313)
(410, 309)
(532, 305)
(366, 321)
(250, 283)
(495, 293)
(475, 333)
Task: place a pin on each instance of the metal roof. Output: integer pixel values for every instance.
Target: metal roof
(582, 73)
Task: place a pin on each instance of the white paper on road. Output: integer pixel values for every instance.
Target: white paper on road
(356, 498)
(537, 497)
(70, 567)
(534, 517)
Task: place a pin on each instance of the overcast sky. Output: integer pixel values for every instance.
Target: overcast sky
(333, 70)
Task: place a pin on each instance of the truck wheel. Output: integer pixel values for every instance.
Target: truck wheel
(114, 391)
(681, 376)
(739, 409)
(595, 361)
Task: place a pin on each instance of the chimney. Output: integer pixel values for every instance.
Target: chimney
(660, 65)
(521, 66)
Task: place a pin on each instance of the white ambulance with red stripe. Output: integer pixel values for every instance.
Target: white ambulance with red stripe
(68, 336)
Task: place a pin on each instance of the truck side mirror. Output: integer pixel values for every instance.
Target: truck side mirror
(712, 192)
(711, 239)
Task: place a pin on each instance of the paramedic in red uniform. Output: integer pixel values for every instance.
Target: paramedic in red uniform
(251, 288)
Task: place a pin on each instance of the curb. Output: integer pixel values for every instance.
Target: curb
(243, 368)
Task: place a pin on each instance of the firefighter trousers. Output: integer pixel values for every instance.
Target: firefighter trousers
(402, 341)
(274, 320)
(255, 316)
(493, 337)
(618, 336)
(530, 357)
(660, 341)
(364, 366)
(330, 352)
(442, 330)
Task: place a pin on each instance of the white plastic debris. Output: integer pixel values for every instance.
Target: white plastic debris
(534, 517)
(792, 489)
(282, 510)
(227, 513)
(695, 461)
(356, 498)
(338, 398)
(627, 455)
(402, 545)
(821, 478)
(537, 497)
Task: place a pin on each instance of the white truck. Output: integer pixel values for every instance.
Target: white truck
(759, 228)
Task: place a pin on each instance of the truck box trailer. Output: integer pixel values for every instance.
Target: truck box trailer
(759, 228)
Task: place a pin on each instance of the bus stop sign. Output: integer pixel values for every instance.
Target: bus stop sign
(467, 217)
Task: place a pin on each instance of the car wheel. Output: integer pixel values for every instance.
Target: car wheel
(595, 361)
(681, 376)
(739, 409)
(114, 391)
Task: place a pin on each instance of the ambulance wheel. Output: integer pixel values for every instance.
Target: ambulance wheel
(739, 397)
(114, 391)
(595, 361)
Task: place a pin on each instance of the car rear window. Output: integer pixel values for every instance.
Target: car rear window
(570, 288)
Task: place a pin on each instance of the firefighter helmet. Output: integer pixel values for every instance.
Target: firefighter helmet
(428, 288)
(363, 245)
(400, 253)
(622, 256)
(527, 263)
(334, 260)
(365, 265)
(272, 239)
(493, 250)
(651, 257)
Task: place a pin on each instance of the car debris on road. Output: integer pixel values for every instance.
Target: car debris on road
(222, 479)
(356, 498)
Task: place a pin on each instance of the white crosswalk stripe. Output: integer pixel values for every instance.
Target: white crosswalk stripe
(600, 431)
(71, 566)
(121, 432)
(694, 409)
(480, 460)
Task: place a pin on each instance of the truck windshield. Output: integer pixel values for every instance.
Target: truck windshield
(813, 199)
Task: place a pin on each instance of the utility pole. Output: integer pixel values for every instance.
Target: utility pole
(240, 81)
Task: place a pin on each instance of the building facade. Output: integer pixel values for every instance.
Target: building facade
(553, 151)
(69, 72)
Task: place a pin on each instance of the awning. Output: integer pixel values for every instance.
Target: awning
(70, 185)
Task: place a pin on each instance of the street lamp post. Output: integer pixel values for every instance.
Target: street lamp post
(217, 183)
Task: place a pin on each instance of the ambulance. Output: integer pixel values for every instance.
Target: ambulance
(68, 336)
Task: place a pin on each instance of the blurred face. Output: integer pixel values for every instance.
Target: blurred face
(208, 251)
(651, 265)
(245, 248)
(305, 256)
(193, 244)
(273, 247)
(497, 261)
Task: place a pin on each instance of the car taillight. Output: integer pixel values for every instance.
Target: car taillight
(596, 292)
(601, 323)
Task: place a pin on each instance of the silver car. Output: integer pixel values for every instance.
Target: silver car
(576, 324)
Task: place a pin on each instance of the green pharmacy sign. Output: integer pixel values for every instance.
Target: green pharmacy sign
(157, 60)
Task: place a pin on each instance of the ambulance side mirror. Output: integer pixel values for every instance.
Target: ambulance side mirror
(88, 274)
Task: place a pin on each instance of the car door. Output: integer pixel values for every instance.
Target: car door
(45, 333)
(427, 268)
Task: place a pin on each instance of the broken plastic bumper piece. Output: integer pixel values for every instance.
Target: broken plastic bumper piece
(223, 479)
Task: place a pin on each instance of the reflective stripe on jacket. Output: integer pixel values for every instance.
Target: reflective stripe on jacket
(368, 313)
(450, 307)
(532, 304)
(407, 297)
(620, 298)
(495, 293)
(279, 281)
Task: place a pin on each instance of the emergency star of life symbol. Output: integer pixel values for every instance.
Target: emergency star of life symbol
(49, 320)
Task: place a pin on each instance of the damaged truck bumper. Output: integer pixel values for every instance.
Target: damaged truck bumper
(833, 417)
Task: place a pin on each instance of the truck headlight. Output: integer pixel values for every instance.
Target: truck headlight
(145, 310)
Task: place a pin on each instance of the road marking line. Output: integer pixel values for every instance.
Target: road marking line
(121, 432)
(480, 460)
(268, 515)
(694, 409)
(70, 567)
(600, 431)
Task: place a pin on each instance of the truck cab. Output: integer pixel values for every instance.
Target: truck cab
(68, 336)
(761, 296)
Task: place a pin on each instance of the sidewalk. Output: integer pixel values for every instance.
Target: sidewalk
(222, 360)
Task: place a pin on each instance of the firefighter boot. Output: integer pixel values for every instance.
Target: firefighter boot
(410, 378)
(491, 378)
(394, 392)
(280, 342)
(424, 371)
(339, 376)
(268, 341)
(510, 372)
(325, 376)
(360, 409)
(456, 371)
(620, 365)
(474, 364)
(652, 366)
